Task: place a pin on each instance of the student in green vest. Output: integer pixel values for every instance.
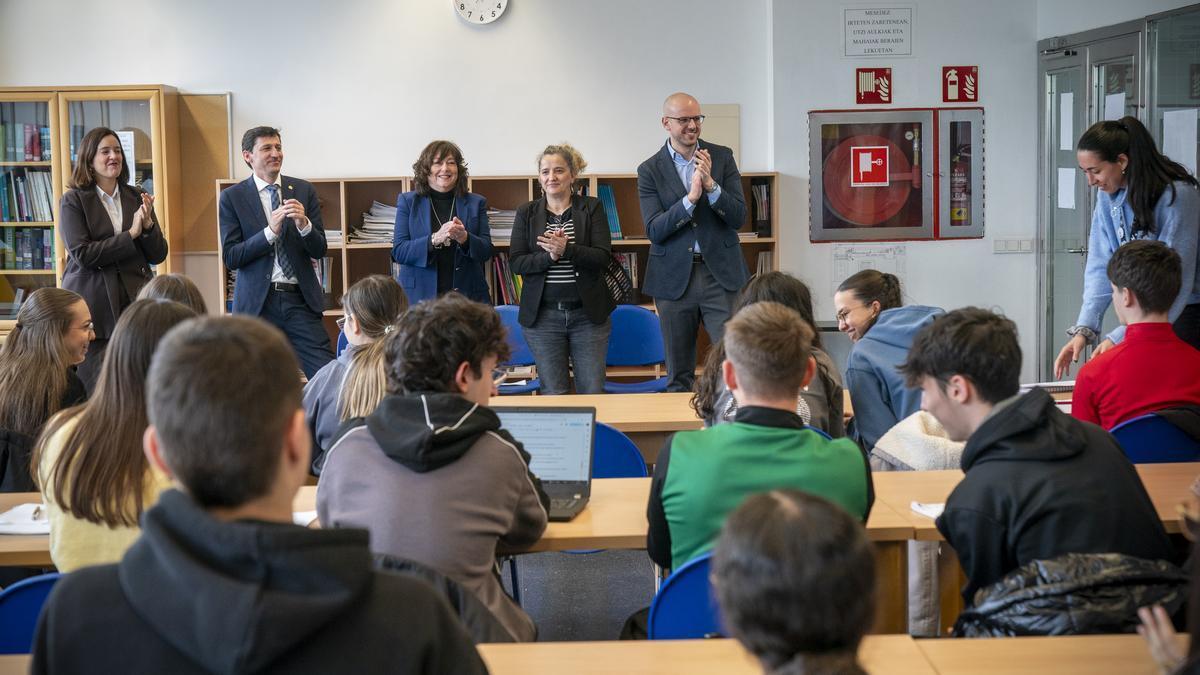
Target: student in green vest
(702, 476)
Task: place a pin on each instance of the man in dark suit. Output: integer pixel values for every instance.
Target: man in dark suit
(692, 204)
(271, 232)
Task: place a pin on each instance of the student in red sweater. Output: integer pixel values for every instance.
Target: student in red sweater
(1151, 369)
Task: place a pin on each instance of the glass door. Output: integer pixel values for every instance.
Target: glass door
(132, 114)
(1175, 90)
(28, 197)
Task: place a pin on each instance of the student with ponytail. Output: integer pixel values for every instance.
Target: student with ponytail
(353, 384)
(1142, 195)
(54, 328)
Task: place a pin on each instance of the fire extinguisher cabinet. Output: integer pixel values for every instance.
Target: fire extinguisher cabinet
(960, 173)
(886, 175)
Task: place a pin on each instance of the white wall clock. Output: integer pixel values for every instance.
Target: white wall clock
(479, 12)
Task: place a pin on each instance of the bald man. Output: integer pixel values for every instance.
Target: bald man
(692, 204)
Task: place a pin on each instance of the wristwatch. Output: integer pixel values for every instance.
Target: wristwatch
(714, 188)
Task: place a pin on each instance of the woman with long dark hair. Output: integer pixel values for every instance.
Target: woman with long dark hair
(54, 328)
(1142, 194)
(111, 235)
(820, 404)
(94, 478)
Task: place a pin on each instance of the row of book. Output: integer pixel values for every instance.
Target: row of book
(25, 142)
(26, 196)
(506, 286)
(500, 223)
(766, 262)
(322, 267)
(760, 206)
(609, 200)
(27, 248)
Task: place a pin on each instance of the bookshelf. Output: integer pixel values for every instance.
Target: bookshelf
(39, 129)
(345, 200)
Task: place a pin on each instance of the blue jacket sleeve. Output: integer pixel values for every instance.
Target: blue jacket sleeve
(236, 251)
(660, 223)
(1102, 241)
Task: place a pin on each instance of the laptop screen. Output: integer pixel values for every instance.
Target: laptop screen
(559, 441)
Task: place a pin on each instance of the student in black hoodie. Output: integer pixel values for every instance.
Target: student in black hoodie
(1038, 482)
(221, 581)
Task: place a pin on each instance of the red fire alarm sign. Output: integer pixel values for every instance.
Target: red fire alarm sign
(869, 166)
(960, 84)
(874, 85)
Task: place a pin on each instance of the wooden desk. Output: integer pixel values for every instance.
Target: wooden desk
(896, 654)
(646, 418)
(1084, 654)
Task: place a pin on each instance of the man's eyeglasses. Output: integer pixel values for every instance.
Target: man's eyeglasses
(683, 121)
(498, 376)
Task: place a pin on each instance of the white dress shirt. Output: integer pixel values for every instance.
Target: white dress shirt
(112, 204)
(264, 196)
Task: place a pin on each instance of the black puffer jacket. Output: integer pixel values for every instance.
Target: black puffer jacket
(1074, 594)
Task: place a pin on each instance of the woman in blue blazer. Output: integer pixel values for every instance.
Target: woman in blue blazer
(441, 238)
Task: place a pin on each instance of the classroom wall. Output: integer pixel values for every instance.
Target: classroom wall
(809, 73)
(1059, 18)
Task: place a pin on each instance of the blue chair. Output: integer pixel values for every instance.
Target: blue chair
(1150, 439)
(521, 355)
(636, 340)
(685, 607)
(342, 343)
(616, 456)
(20, 605)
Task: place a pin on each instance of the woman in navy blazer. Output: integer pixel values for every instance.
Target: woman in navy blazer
(112, 238)
(441, 238)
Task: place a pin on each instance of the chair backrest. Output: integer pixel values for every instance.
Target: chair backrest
(342, 343)
(616, 456)
(686, 606)
(521, 356)
(20, 605)
(1150, 439)
(636, 338)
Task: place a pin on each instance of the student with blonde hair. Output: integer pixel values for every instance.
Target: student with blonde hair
(353, 384)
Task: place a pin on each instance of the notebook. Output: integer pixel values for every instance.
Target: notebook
(560, 443)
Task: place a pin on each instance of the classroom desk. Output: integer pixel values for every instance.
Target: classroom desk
(648, 419)
(896, 654)
(1082, 654)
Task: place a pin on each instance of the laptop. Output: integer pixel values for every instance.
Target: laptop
(559, 441)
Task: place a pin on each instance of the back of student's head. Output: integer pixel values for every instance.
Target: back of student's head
(177, 288)
(375, 303)
(100, 471)
(870, 286)
(783, 288)
(770, 346)
(36, 345)
(972, 342)
(222, 396)
(433, 337)
(1151, 269)
(795, 580)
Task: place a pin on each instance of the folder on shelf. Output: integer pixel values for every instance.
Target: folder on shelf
(609, 200)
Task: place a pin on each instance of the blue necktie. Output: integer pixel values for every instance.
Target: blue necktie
(280, 255)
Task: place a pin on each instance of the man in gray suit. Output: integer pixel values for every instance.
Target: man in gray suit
(692, 204)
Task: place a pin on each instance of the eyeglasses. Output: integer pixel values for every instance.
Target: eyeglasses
(498, 376)
(841, 316)
(683, 121)
(341, 323)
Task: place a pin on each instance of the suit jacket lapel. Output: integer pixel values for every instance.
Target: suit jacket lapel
(537, 220)
(579, 217)
(668, 179)
(130, 203)
(96, 214)
(251, 201)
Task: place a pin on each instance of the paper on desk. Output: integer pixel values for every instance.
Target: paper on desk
(25, 519)
(928, 510)
(304, 518)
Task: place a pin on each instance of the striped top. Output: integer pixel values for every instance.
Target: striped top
(560, 278)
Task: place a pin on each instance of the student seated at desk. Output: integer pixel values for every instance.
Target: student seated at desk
(794, 576)
(820, 403)
(50, 339)
(176, 288)
(94, 478)
(430, 472)
(702, 475)
(871, 312)
(352, 384)
(1152, 368)
(1039, 483)
(221, 580)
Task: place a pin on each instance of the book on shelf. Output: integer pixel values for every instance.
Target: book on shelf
(500, 223)
(609, 200)
(766, 262)
(760, 205)
(506, 287)
(26, 196)
(324, 270)
(230, 283)
(628, 262)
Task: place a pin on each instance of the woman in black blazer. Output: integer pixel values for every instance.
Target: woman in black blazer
(111, 235)
(561, 246)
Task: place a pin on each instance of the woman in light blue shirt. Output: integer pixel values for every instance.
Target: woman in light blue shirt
(1142, 195)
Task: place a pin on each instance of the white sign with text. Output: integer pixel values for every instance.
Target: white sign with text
(879, 31)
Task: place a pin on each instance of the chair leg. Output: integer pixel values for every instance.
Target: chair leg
(516, 580)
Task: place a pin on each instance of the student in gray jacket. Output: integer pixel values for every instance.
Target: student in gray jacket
(430, 473)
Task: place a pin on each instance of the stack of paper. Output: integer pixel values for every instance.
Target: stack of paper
(377, 225)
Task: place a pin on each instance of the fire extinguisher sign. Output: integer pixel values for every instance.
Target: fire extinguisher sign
(960, 84)
(869, 166)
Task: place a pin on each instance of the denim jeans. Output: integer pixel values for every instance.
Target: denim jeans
(557, 335)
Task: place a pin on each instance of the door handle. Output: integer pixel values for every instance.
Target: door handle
(1080, 251)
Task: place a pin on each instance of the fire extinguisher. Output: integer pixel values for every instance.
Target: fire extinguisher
(960, 186)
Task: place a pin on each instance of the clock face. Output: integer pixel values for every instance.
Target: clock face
(479, 12)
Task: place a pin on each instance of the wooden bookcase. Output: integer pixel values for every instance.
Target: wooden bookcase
(61, 116)
(345, 200)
